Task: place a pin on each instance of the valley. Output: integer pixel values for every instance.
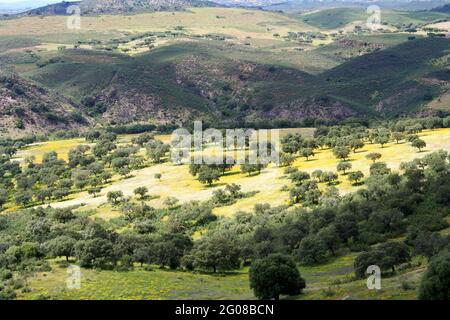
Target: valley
(89, 179)
(241, 59)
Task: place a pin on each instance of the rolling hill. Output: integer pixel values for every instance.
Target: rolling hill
(445, 8)
(294, 6)
(226, 67)
(172, 83)
(339, 17)
(396, 80)
(28, 108)
(95, 7)
(179, 82)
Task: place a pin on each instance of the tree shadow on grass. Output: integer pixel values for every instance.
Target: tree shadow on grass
(216, 274)
(214, 185)
(231, 173)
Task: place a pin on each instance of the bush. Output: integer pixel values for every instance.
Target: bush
(275, 275)
(5, 274)
(435, 284)
(312, 250)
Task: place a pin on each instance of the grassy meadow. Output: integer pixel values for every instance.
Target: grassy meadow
(240, 30)
(239, 24)
(178, 182)
(340, 17)
(333, 280)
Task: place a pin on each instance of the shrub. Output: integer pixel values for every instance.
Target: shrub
(275, 275)
(435, 284)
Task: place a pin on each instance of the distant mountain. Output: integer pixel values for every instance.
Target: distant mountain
(53, 9)
(305, 5)
(92, 7)
(444, 8)
(179, 83)
(13, 7)
(249, 3)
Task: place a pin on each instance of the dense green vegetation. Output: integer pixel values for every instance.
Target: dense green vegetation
(412, 204)
(389, 88)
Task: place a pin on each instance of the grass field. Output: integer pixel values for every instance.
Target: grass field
(333, 280)
(37, 150)
(340, 17)
(441, 25)
(177, 181)
(239, 23)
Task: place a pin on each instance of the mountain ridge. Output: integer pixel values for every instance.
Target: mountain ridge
(96, 7)
(181, 82)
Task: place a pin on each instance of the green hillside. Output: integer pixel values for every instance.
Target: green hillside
(339, 17)
(235, 66)
(333, 18)
(391, 81)
(27, 108)
(96, 7)
(178, 82)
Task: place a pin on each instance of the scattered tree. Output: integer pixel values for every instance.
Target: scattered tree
(355, 177)
(275, 275)
(141, 191)
(61, 246)
(208, 175)
(114, 197)
(306, 153)
(374, 156)
(341, 152)
(344, 166)
(419, 144)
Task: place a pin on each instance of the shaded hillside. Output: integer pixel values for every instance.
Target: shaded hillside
(184, 82)
(52, 9)
(392, 81)
(179, 83)
(445, 8)
(122, 89)
(27, 108)
(93, 7)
